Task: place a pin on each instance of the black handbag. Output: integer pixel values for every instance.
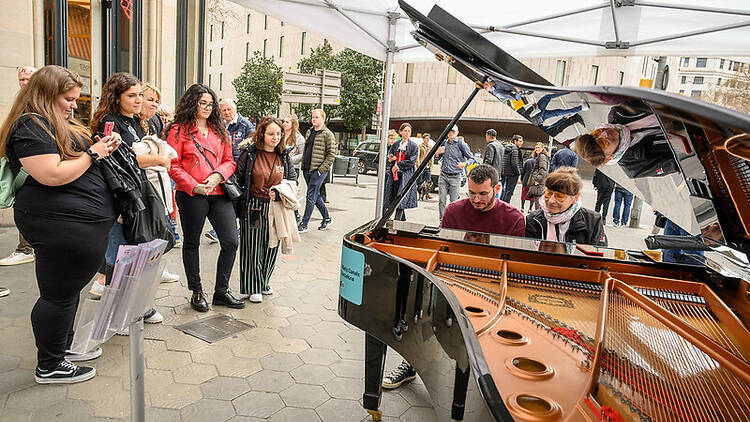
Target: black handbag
(231, 190)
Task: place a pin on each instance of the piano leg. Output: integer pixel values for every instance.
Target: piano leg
(374, 366)
(460, 388)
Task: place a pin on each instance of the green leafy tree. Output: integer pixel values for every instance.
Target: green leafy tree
(361, 79)
(258, 87)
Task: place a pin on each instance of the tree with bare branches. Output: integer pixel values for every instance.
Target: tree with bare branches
(734, 93)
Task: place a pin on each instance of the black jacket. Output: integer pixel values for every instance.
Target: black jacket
(602, 183)
(244, 175)
(512, 161)
(494, 155)
(586, 227)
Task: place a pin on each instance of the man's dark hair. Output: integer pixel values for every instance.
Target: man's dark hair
(492, 133)
(516, 137)
(426, 135)
(482, 172)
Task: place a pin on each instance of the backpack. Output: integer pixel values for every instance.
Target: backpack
(10, 184)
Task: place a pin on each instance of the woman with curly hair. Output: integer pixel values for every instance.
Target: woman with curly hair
(204, 160)
(63, 208)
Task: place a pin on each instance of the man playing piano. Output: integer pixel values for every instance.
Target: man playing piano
(481, 212)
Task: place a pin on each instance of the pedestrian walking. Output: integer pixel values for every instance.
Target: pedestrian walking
(604, 187)
(455, 155)
(494, 153)
(563, 157)
(512, 166)
(561, 217)
(204, 160)
(295, 143)
(389, 196)
(24, 252)
(425, 181)
(621, 209)
(528, 167)
(65, 210)
(538, 173)
(262, 166)
(402, 158)
(320, 150)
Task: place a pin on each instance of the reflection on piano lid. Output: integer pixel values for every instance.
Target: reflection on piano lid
(686, 158)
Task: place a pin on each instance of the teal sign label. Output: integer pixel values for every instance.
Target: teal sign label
(352, 275)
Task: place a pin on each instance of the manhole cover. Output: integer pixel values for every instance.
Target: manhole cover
(214, 328)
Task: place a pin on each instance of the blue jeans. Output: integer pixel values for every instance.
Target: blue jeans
(622, 195)
(116, 239)
(548, 114)
(679, 255)
(314, 180)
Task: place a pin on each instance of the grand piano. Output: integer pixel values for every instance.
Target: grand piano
(513, 329)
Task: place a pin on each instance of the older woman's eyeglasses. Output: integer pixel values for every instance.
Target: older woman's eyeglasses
(207, 106)
(559, 196)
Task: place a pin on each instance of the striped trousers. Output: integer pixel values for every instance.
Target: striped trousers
(257, 260)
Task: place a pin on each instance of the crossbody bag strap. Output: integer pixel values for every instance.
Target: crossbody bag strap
(200, 149)
(20, 178)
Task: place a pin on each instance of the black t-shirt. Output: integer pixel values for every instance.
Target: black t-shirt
(86, 199)
(307, 155)
(129, 128)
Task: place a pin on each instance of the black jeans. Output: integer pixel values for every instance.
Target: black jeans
(67, 256)
(603, 197)
(193, 213)
(509, 186)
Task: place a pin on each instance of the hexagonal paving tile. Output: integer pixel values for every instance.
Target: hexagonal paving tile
(264, 335)
(238, 367)
(195, 373)
(207, 410)
(345, 388)
(338, 410)
(225, 388)
(155, 414)
(8, 362)
(419, 414)
(20, 415)
(175, 396)
(270, 381)
(36, 397)
(258, 404)
(211, 354)
(312, 374)
(255, 350)
(167, 360)
(304, 395)
(281, 362)
(289, 345)
(64, 411)
(16, 379)
(349, 369)
(297, 331)
(291, 414)
(392, 404)
(319, 356)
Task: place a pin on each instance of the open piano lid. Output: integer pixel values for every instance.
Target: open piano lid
(686, 158)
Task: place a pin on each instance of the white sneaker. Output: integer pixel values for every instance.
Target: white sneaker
(268, 291)
(4, 291)
(256, 298)
(124, 332)
(167, 277)
(153, 317)
(17, 258)
(82, 357)
(211, 235)
(97, 290)
(178, 243)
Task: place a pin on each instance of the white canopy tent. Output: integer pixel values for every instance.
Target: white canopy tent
(533, 28)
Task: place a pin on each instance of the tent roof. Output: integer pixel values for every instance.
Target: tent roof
(534, 28)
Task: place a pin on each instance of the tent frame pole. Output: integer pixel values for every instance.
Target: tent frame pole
(385, 123)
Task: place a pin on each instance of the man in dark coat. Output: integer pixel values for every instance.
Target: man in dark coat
(494, 154)
(604, 187)
(564, 157)
(512, 165)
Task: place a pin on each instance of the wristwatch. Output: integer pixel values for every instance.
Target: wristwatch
(93, 155)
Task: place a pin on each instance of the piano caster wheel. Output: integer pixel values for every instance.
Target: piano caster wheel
(377, 415)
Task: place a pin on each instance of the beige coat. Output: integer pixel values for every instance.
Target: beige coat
(282, 226)
(158, 175)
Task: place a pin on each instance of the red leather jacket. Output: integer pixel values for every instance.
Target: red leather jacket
(190, 168)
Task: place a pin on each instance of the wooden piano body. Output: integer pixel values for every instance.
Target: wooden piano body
(502, 328)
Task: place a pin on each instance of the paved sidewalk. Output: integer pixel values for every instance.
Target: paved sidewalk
(301, 363)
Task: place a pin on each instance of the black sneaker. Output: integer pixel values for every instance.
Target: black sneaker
(403, 374)
(302, 228)
(66, 372)
(324, 225)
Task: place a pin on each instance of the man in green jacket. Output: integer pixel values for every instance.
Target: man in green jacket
(320, 149)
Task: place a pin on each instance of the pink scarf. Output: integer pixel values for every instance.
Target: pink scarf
(560, 218)
(626, 140)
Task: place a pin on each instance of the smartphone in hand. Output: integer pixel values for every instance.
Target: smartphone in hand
(108, 126)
